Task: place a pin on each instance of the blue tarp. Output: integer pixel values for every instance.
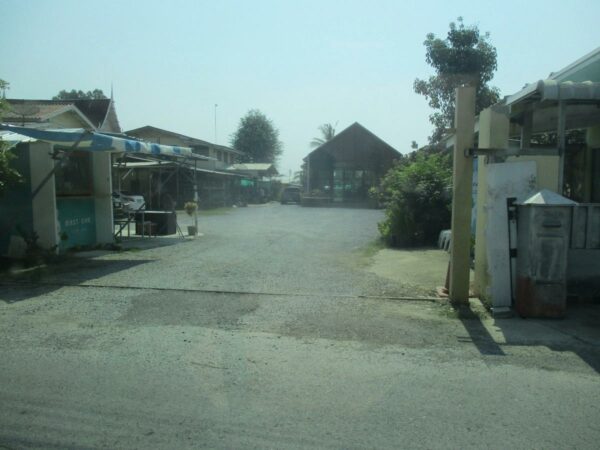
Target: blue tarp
(93, 141)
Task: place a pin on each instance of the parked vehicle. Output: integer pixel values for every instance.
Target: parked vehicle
(290, 194)
(128, 202)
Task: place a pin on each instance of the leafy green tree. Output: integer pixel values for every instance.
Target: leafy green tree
(9, 176)
(257, 138)
(464, 58)
(417, 196)
(96, 94)
(327, 133)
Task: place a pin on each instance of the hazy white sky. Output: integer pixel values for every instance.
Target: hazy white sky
(302, 63)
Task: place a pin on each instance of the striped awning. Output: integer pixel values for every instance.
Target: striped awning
(92, 141)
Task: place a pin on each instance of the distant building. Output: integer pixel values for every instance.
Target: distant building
(169, 181)
(347, 166)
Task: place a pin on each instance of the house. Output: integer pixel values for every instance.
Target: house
(66, 195)
(167, 180)
(347, 166)
(545, 136)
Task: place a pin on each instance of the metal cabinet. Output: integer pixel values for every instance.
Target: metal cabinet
(544, 228)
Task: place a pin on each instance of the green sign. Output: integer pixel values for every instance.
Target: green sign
(77, 221)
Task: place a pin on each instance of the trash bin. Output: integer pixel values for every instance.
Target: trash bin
(543, 227)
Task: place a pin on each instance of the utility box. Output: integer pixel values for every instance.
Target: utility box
(543, 230)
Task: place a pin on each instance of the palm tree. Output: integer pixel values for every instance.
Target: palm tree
(327, 131)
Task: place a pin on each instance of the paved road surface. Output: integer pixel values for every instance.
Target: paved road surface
(259, 335)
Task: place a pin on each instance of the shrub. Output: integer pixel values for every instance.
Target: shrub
(417, 198)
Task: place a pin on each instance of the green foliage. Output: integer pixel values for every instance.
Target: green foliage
(417, 197)
(464, 58)
(327, 132)
(9, 176)
(96, 94)
(257, 138)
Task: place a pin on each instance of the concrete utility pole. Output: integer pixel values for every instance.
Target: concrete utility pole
(464, 122)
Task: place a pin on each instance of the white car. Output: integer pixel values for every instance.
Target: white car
(129, 202)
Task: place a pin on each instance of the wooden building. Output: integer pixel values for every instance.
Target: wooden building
(347, 166)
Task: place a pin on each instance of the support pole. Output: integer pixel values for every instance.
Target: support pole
(561, 141)
(196, 196)
(464, 123)
(308, 175)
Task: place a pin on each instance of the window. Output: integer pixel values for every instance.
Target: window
(74, 177)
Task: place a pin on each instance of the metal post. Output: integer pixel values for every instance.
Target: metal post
(308, 175)
(561, 142)
(196, 196)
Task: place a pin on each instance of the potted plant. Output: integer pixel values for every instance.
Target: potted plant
(191, 208)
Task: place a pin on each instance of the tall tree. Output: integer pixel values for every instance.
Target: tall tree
(257, 138)
(96, 94)
(464, 58)
(327, 133)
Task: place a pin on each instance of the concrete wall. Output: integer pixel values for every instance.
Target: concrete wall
(504, 180)
(546, 169)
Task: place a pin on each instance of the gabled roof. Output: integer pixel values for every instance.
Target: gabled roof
(353, 136)
(267, 168)
(97, 114)
(101, 112)
(190, 141)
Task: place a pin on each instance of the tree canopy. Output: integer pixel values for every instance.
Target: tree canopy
(9, 176)
(327, 133)
(96, 94)
(257, 138)
(464, 58)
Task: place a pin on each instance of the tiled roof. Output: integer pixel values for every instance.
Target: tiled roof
(95, 111)
(32, 110)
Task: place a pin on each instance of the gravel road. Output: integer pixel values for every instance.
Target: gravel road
(271, 331)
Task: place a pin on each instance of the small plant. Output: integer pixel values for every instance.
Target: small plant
(190, 208)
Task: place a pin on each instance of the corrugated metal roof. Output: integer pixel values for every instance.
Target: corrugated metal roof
(552, 90)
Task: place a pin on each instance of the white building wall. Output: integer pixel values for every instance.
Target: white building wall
(504, 180)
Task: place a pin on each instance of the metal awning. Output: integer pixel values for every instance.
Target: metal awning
(554, 91)
(93, 141)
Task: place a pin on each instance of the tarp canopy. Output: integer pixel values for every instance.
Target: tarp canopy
(93, 141)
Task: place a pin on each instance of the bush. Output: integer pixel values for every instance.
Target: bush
(417, 198)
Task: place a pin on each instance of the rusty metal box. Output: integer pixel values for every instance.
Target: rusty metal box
(543, 228)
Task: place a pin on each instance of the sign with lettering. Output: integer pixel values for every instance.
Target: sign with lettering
(77, 222)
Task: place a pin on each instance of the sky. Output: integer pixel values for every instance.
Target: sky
(301, 63)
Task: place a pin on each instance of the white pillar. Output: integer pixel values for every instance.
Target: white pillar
(493, 133)
(45, 216)
(464, 123)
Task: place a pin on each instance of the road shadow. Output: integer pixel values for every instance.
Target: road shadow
(578, 333)
(29, 284)
(478, 333)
